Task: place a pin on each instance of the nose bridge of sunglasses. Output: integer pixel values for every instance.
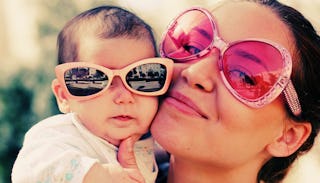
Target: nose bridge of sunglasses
(219, 43)
(117, 81)
(117, 75)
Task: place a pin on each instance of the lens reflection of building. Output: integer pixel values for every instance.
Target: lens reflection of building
(147, 77)
(152, 71)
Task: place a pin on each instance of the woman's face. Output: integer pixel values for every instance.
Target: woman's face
(201, 120)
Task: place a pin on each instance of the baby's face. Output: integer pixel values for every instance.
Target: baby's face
(117, 113)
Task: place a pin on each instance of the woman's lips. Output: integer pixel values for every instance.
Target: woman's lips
(183, 104)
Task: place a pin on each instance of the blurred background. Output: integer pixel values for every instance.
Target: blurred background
(28, 31)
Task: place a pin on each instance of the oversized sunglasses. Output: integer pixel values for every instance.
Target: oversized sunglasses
(255, 71)
(84, 80)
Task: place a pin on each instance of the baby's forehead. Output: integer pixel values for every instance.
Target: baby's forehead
(113, 53)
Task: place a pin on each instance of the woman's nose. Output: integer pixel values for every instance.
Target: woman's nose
(202, 74)
(121, 94)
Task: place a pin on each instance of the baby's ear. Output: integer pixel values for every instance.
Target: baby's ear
(293, 136)
(60, 96)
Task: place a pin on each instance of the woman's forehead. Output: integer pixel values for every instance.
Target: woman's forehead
(243, 20)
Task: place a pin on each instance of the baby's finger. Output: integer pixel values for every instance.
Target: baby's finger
(126, 154)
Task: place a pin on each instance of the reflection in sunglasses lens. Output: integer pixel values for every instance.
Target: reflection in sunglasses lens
(252, 68)
(147, 77)
(189, 35)
(84, 81)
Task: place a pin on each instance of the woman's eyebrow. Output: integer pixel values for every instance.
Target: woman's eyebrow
(204, 33)
(250, 56)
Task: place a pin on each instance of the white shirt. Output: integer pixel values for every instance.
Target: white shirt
(61, 149)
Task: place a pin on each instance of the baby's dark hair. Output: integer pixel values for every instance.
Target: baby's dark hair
(104, 22)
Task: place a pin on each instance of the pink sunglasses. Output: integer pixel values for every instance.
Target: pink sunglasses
(84, 80)
(255, 71)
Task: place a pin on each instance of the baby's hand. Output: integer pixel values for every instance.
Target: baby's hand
(127, 159)
(128, 172)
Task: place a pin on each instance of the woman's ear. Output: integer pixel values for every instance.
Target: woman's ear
(293, 136)
(60, 96)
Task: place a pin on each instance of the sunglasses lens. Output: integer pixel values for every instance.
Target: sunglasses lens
(190, 34)
(252, 68)
(84, 81)
(149, 77)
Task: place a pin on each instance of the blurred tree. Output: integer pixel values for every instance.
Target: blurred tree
(16, 118)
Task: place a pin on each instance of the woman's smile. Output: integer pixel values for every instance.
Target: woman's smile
(184, 104)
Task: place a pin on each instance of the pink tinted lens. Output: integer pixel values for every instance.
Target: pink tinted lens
(252, 68)
(190, 34)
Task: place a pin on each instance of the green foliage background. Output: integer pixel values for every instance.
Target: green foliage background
(25, 96)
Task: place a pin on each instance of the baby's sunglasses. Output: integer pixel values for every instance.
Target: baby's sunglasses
(84, 80)
(255, 71)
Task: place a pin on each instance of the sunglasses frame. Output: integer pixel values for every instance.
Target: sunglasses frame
(283, 84)
(111, 73)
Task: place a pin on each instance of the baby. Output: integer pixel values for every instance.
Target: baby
(107, 83)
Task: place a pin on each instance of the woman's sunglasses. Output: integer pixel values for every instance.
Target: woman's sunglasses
(255, 71)
(84, 80)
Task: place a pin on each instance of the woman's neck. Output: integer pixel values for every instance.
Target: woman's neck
(182, 171)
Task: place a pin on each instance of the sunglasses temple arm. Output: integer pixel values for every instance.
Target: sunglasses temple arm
(292, 99)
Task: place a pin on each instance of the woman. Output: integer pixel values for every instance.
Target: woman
(244, 101)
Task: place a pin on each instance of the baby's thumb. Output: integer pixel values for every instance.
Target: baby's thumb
(126, 156)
